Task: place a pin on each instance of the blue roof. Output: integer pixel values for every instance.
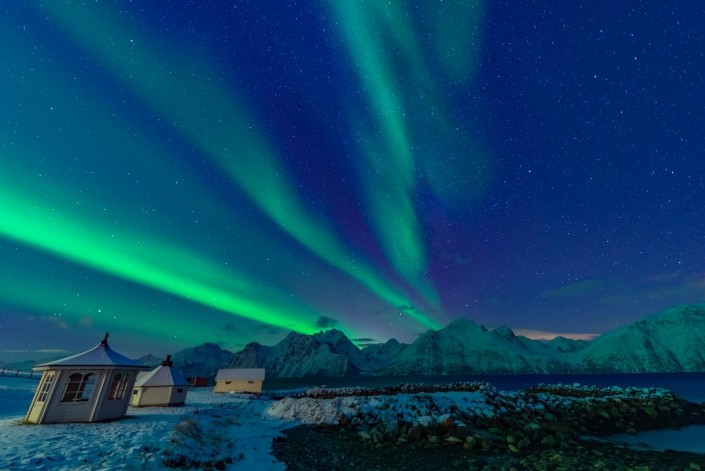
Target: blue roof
(161, 376)
(100, 355)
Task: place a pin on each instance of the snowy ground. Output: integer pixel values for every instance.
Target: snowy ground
(211, 427)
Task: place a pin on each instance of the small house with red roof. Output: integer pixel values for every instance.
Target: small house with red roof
(163, 386)
(92, 386)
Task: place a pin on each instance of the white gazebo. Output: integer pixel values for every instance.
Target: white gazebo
(163, 386)
(88, 387)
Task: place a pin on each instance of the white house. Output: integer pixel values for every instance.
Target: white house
(239, 380)
(88, 387)
(163, 386)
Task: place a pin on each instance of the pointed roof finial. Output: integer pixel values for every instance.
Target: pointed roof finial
(168, 361)
(105, 340)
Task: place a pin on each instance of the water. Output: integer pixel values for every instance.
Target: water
(690, 386)
(690, 439)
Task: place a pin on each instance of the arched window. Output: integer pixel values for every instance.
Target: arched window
(79, 388)
(117, 387)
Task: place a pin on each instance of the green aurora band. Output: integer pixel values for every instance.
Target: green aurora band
(392, 207)
(85, 244)
(229, 137)
(418, 134)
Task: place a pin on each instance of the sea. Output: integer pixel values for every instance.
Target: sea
(690, 386)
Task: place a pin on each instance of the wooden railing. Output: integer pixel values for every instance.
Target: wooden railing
(19, 374)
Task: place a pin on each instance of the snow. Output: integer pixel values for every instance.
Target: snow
(312, 411)
(410, 407)
(208, 427)
(213, 427)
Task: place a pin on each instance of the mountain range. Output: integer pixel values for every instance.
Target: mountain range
(670, 341)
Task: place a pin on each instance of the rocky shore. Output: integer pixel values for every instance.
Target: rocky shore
(475, 426)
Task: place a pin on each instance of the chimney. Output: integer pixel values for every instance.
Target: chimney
(168, 361)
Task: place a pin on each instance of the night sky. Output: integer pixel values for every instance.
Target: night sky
(186, 172)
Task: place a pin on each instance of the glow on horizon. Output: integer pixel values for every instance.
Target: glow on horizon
(535, 334)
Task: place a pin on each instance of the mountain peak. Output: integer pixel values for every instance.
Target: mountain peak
(331, 336)
(463, 324)
(670, 341)
(505, 332)
(680, 313)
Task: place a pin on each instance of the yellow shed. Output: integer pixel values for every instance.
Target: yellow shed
(239, 380)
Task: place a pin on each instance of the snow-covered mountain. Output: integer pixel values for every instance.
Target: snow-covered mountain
(566, 345)
(151, 360)
(382, 355)
(464, 347)
(328, 353)
(673, 340)
(203, 360)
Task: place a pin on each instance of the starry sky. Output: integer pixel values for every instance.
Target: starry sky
(182, 172)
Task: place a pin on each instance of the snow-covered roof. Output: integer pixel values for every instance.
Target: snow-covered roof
(240, 374)
(100, 355)
(161, 376)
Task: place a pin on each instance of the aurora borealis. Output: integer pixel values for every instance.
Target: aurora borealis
(178, 173)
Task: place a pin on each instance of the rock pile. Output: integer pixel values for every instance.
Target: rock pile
(606, 411)
(476, 416)
(324, 393)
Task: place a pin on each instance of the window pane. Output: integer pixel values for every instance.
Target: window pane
(46, 386)
(115, 388)
(72, 387)
(86, 388)
(122, 387)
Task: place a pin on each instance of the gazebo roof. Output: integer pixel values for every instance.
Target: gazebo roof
(164, 375)
(100, 355)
